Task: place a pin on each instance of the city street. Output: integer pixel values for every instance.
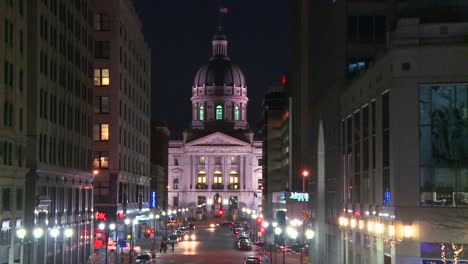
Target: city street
(213, 245)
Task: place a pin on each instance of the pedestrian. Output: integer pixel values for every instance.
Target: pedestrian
(165, 246)
(172, 245)
(161, 248)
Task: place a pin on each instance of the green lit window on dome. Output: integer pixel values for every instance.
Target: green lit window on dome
(236, 113)
(219, 112)
(201, 113)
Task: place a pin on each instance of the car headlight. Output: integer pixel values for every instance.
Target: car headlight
(212, 225)
(193, 237)
(186, 237)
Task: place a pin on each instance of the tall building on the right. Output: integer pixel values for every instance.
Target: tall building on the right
(380, 95)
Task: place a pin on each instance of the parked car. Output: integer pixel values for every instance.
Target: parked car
(143, 258)
(252, 260)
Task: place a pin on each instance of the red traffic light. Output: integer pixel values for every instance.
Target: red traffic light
(221, 212)
(149, 231)
(305, 172)
(259, 220)
(120, 215)
(262, 229)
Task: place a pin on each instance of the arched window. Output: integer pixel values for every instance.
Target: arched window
(175, 184)
(233, 180)
(201, 113)
(201, 177)
(218, 178)
(236, 113)
(219, 112)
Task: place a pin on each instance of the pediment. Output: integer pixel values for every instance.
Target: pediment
(218, 139)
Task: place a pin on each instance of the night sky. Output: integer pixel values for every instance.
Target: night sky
(179, 34)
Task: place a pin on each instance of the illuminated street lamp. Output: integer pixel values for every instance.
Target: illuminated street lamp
(68, 234)
(54, 233)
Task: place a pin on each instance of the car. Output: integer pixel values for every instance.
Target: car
(252, 260)
(112, 245)
(258, 245)
(190, 227)
(190, 237)
(296, 247)
(143, 258)
(244, 244)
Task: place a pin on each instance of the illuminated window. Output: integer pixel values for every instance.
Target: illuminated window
(101, 132)
(236, 113)
(218, 178)
(101, 77)
(201, 160)
(201, 177)
(101, 160)
(233, 177)
(201, 113)
(219, 112)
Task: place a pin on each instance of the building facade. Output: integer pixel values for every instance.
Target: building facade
(121, 121)
(216, 169)
(159, 154)
(276, 146)
(13, 138)
(357, 36)
(404, 147)
(59, 194)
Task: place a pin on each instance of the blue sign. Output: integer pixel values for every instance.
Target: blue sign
(122, 243)
(153, 199)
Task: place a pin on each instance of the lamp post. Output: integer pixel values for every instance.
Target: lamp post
(127, 222)
(68, 234)
(54, 233)
(310, 234)
(21, 233)
(112, 227)
(278, 233)
(292, 233)
(37, 233)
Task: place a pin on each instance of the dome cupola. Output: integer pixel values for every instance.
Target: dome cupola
(219, 91)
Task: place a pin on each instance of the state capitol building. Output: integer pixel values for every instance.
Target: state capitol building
(216, 168)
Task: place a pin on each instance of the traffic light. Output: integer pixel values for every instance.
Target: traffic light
(120, 215)
(221, 212)
(259, 220)
(262, 229)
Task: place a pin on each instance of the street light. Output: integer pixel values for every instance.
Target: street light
(54, 233)
(68, 234)
(278, 232)
(21, 233)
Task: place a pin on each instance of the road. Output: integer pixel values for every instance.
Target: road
(213, 246)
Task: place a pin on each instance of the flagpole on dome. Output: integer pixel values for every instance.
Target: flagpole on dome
(222, 11)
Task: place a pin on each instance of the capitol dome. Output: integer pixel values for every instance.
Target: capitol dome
(219, 71)
(219, 91)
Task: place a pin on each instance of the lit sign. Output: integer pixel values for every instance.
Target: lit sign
(101, 216)
(153, 199)
(300, 197)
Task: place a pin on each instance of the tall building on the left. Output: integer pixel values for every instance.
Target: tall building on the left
(45, 135)
(58, 216)
(13, 139)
